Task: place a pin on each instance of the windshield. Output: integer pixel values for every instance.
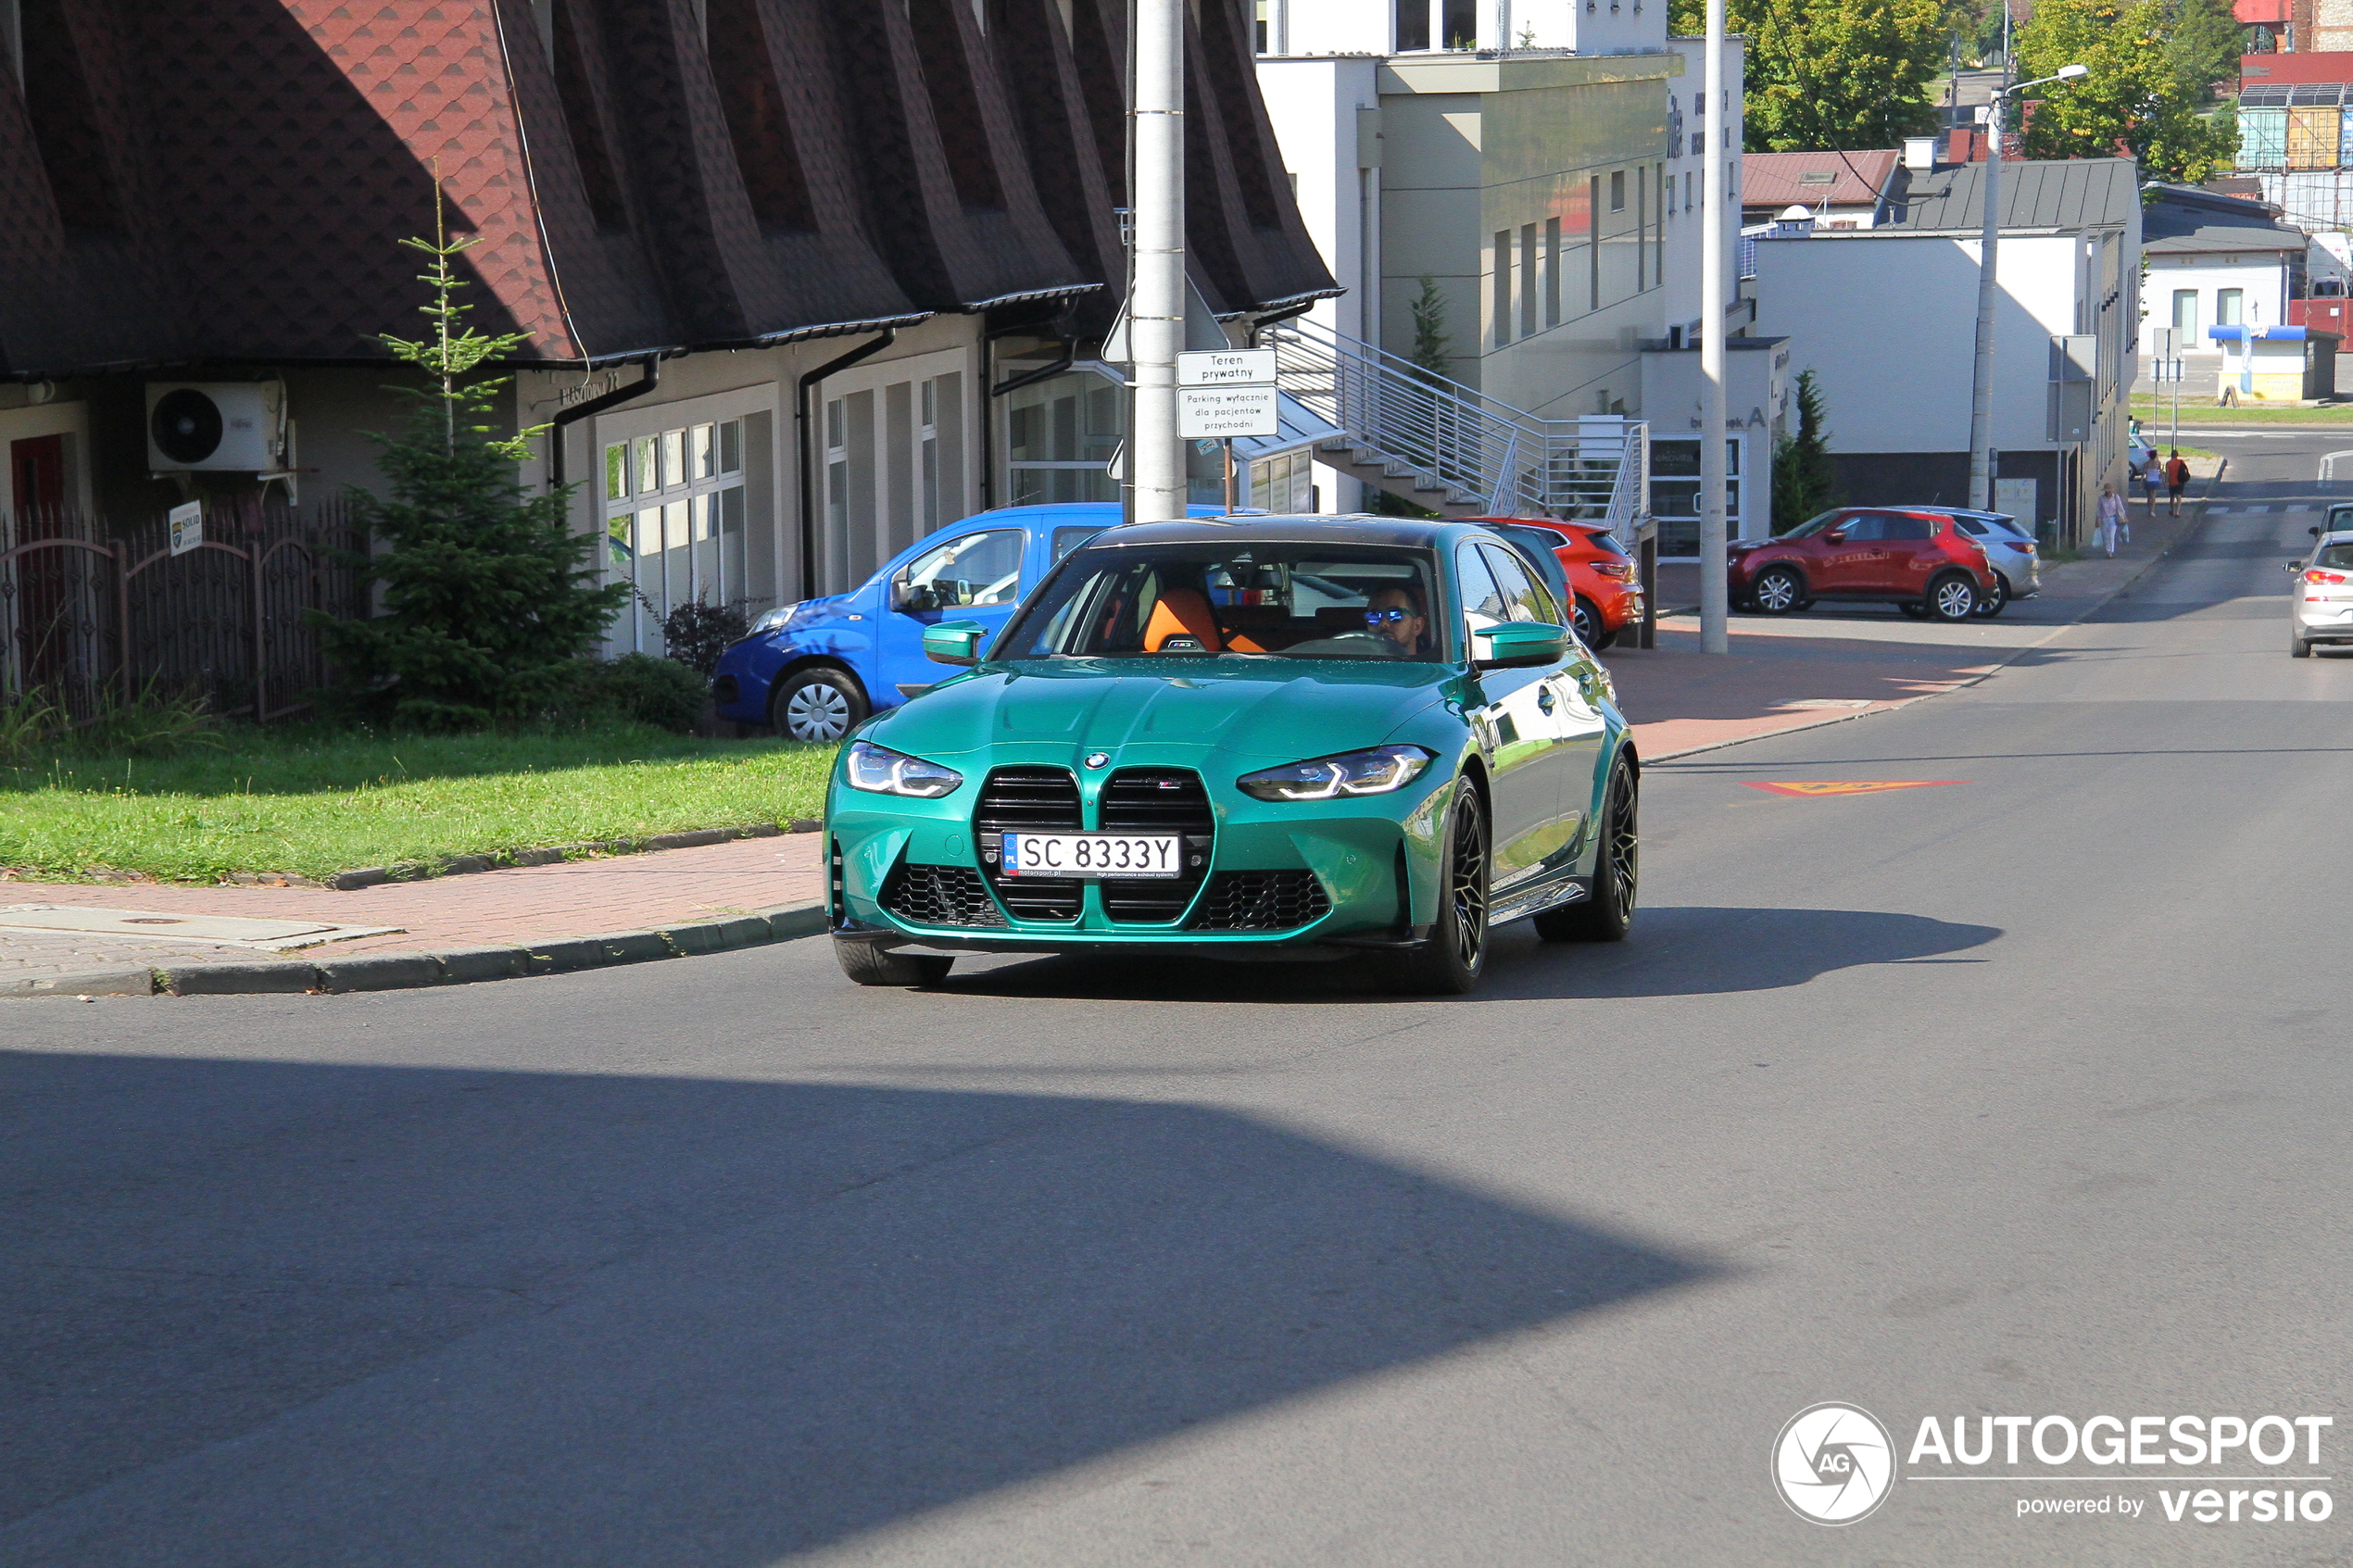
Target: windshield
(1232, 599)
(1813, 525)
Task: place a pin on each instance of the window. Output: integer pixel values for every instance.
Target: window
(1284, 483)
(1528, 275)
(1910, 529)
(1867, 528)
(1060, 436)
(1675, 489)
(975, 570)
(2227, 304)
(2185, 319)
(1502, 295)
(1691, 178)
(675, 512)
(1411, 20)
(1641, 229)
(1482, 601)
(1617, 191)
(1524, 597)
(1593, 242)
(1552, 271)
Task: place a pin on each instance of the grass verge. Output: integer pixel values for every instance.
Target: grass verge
(2207, 413)
(315, 802)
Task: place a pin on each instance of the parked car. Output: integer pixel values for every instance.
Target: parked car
(1603, 577)
(2009, 549)
(1238, 738)
(1891, 556)
(1534, 548)
(817, 668)
(2320, 604)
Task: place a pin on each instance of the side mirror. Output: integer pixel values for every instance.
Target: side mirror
(2313, 532)
(1514, 644)
(2295, 566)
(954, 642)
(1835, 536)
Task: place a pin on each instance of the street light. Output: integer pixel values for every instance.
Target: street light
(1981, 402)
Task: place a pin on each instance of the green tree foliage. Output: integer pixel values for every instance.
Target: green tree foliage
(1433, 350)
(2205, 47)
(1803, 483)
(2133, 105)
(1833, 74)
(489, 597)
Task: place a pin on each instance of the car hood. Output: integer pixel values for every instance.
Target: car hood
(1281, 709)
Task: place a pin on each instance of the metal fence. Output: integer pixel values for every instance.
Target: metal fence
(87, 612)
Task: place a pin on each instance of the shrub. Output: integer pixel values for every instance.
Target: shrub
(697, 633)
(637, 686)
(154, 723)
(27, 721)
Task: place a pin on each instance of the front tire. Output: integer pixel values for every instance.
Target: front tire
(1777, 591)
(1997, 601)
(1952, 598)
(1608, 914)
(869, 965)
(819, 704)
(1451, 960)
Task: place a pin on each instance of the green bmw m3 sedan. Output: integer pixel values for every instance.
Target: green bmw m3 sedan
(1245, 737)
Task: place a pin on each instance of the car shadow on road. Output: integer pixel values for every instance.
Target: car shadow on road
(1677, 950)
(295, 1312)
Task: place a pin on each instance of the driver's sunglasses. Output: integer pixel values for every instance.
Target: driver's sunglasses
(1388, 617)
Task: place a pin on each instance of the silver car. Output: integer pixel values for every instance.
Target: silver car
(2319, 602)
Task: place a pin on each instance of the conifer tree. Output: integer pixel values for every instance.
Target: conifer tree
(1805, 484)
(489, 598)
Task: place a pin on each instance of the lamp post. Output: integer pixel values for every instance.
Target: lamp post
(1981, 402)
(1715, 598)
(1156, 295)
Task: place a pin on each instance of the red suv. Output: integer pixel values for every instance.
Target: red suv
(1919, 559)
(1602, 576)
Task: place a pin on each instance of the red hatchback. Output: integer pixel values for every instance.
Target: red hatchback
(1604, 577)
(1920, 560)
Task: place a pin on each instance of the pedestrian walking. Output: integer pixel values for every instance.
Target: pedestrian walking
(2177, 479)
(2152, 481)
(2111, 518)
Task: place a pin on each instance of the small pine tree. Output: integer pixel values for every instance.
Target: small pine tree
(1805, 484)
(1433, 350)
(489, 597)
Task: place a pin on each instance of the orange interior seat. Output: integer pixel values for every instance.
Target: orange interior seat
(1182, 613)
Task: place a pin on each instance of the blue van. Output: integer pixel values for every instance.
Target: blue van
(815, 670)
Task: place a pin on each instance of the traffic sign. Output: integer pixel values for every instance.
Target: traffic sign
(1225, 412)
(1226, 367)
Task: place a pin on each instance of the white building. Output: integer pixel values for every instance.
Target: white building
(1886, 319)
(1537, 162)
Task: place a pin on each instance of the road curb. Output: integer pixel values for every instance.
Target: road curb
(448, 966)
(1995, 668)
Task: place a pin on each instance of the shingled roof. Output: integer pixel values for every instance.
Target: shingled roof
(226, 181)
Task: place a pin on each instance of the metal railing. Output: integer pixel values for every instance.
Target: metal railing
(1454, 447)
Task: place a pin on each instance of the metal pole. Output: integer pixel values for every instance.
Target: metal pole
(1981, 399)
(1156, 306)
(1714, 602)
(1229, 476)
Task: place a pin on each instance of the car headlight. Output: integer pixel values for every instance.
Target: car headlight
(891, 772)
(771, 619)
(1378, 770)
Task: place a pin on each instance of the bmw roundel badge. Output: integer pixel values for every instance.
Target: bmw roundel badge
(1098, 758)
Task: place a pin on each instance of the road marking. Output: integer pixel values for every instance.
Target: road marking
(2258, 509)
(1852, 786)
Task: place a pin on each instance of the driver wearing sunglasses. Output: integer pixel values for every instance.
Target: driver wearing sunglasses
(1395, 612)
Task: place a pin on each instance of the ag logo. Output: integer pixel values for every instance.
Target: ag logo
(1833, 1464)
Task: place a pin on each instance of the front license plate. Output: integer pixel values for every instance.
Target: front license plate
(1091, 854)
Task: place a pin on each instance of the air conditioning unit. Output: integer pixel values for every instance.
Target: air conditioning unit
(215, 426)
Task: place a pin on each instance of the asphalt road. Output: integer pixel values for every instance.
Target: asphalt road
(2023, 1095)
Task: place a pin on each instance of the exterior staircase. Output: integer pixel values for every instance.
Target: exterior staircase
(1454, 450)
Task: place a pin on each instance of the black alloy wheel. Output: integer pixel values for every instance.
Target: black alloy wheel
(869, 965)
(1777, 591)
(1952, 598)
(1993, 603)
(1449, 962)
(1608, 914)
